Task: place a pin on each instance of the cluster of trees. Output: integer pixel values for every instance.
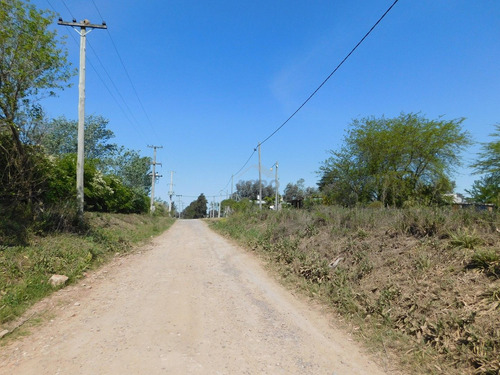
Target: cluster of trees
(294, 193)
(37, 155)
(196, 209)
(116, 178)
(397, 161)
(250, 189)
(297, 192)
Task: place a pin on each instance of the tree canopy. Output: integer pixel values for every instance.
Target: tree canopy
(60, 136)
(250, 189)
(487, 188)
(31, 62)
(398, 160)
(196, 209)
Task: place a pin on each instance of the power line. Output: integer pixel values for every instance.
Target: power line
(69, 10)
(320, 86)
(132, 84)
(128, 75)
(134, 123)
(96, 8)
(332, 73)
(117, 91)
(244, 165)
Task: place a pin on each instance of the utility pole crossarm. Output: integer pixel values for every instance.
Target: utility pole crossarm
(84, 24)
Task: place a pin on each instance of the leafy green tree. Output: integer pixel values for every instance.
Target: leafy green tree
(196, 209)
(487, 189)
(395, 161)
(250, 189)
(106, 193)
(31, 63)
(132, 168)
(60, 136)
(31, 66)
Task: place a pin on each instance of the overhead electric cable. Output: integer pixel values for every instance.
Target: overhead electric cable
(244, 165)
(127, 74)
(135, 125)
(116, 89)
(332, 73)
(96, 8)
(69, 10)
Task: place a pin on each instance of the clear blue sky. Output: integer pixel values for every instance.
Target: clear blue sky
(217, 77)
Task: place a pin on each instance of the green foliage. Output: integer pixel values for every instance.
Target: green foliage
(196, 209)
(29, 66)
(105, 193)
(297, 192)
(407, 158)
(24, 178)
(487, 189)
(250, 189)
(131, 168)
(60, 136)
(243, 205)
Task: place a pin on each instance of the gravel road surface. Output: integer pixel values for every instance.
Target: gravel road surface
(191, 302)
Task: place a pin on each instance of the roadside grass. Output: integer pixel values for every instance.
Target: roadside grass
(421, 286)
(25, 270)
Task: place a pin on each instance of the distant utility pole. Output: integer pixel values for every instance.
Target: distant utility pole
(220, 201)
(260, 181)
(214, 207)
(276, 203)
(179, 208)
(171, 191)
(153, 177)
(83, 25)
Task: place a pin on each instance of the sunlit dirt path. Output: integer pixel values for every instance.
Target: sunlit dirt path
(189, 303)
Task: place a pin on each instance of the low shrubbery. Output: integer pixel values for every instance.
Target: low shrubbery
(426, 280)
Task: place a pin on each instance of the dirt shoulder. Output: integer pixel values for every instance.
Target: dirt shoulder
(189, 303)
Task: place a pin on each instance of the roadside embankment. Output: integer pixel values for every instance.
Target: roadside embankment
(25, 270)
(419, 285)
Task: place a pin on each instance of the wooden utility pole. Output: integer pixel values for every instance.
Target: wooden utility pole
(83, 25)
(171, 191)
(260, 181)
(154, 175)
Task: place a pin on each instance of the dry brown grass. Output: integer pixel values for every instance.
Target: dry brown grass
(422, 284)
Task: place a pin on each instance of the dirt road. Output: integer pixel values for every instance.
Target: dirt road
(190, 303)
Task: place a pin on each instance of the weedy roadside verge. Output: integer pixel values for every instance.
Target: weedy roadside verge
(25, 270)
(420, 285)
